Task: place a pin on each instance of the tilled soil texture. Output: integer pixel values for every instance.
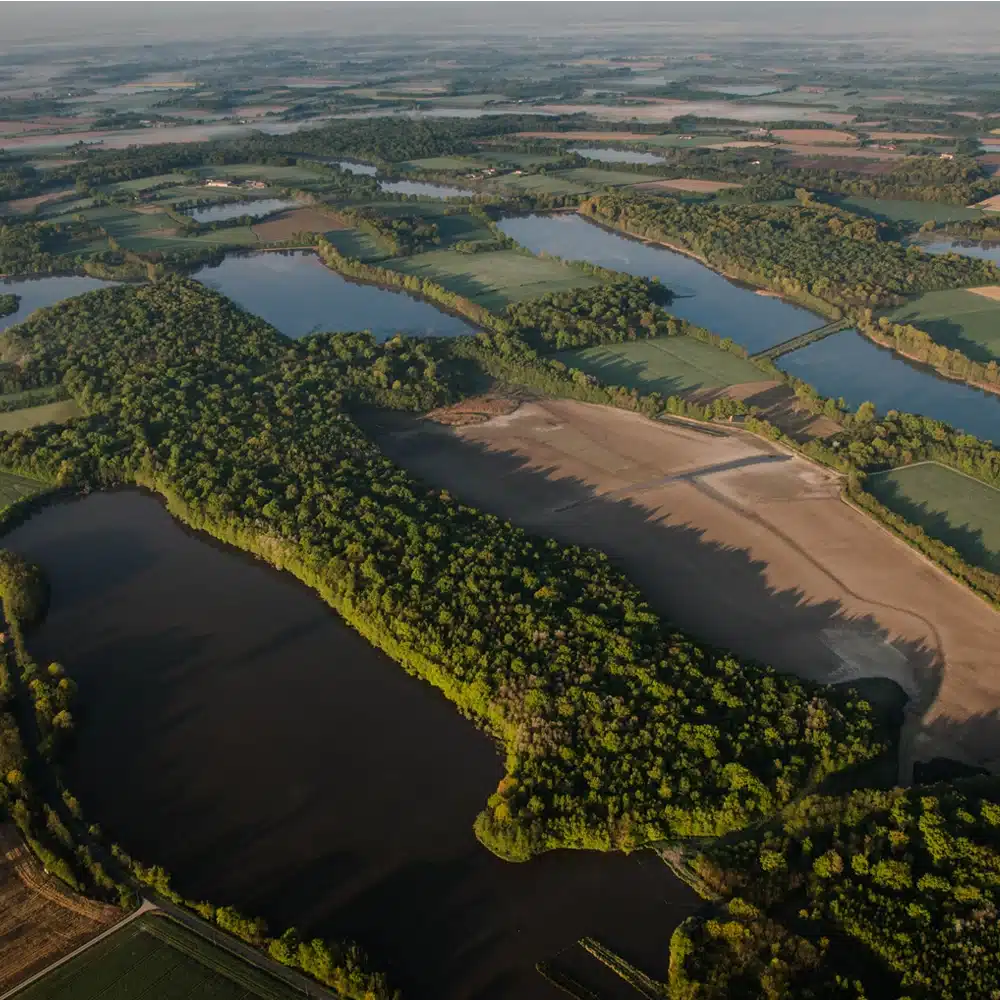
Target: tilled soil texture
(40, 919)
(738, 542)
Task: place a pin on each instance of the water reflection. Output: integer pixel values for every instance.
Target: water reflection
(35, 293)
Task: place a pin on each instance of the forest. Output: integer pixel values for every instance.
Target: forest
(248, 437)
(809, 251)
(877, 894)
(9, 303)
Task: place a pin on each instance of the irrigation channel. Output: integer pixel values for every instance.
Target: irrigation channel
(840, 364)
(236, 731)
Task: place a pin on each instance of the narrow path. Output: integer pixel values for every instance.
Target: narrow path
(146, 907)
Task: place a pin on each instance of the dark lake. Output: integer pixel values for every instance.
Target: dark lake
(849, 365)
(298, 294)
(236, 731)
(45, 291)
(425, 190)
(232, 210)
(703, 296)
(616, 155)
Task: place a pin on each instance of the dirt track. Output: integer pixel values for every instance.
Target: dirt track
(738, 542)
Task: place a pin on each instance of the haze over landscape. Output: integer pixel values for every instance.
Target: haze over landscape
(500, 501)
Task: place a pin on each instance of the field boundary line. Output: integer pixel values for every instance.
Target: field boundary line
(940, 465)
(146, 907)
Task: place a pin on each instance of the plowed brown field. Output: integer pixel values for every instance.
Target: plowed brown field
(40, 919)
(738, 542)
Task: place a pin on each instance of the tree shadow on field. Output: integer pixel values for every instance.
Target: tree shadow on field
(969, 743)
(715, 592)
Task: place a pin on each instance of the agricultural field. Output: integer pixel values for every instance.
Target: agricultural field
(668, 365)
(34, 416)
(258, 171)
(962, 512)
(144, 183)
(691, 184)
(729, 538)
(960, 318)
(40, 920)
(494, 279)
(155, 958)
(594, 177)
(544, 184)
(520, 161)
(914, 213)
(284, 225)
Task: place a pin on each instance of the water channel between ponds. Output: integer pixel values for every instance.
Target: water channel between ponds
(845, 364)
(233, 729)
(234, 209)
(296, 293)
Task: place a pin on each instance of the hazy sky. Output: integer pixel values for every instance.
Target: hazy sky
(927, 25)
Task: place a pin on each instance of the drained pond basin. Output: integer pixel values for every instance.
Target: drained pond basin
(296, 293)
(234, 730)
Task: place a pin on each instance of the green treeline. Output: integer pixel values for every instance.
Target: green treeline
(399, 235)
(9, 303)
(809, 252)
(618, 729)
(915, 343)
(870, 896)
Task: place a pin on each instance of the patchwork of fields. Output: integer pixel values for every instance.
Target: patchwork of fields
(963, 512)
(14, 487)
(958, 318)
(157, 959)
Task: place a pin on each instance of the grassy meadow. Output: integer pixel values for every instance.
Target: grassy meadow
(958, 510)
(495, 279)
(14, 487)
(33, 416)
(958, 319)
(157, 959)
(914, 213)
(667, 365)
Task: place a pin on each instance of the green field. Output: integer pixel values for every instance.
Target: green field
(259, 171)
(667, 365)
(595, 177)
(676, 142)
(494, 279)
(356, 244)
(915, 213)
(33, 416)
(142, 183)
(544, 184)
(14, 487)
(958, 319)
(519, 160)
(157, 959)
(948, 505)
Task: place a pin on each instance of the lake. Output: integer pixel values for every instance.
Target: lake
(236, 731)
(849, 365)
(616, 155)
(967, 248)
(845, 364)
(357, 168)
(425, 190)
(704, 297)
(44, 291)
(234, 209)
(296, 293)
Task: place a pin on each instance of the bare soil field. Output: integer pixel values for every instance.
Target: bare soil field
(878, 161)
(814, 136)
(738, 144)
(40, 919)
(987, 292)
(738, 542)
(297, 220)
(991, 204)
(909, 136)
(687, 184)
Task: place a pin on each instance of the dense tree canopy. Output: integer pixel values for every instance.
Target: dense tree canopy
(618, 729)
